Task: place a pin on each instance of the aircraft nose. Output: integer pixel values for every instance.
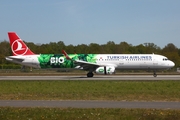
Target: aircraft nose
(171, 64)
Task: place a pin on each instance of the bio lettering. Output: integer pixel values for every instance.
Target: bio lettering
(56, 60)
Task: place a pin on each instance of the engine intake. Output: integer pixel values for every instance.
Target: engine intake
(105, 70)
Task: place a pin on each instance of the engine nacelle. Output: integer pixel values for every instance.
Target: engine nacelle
(105, 70)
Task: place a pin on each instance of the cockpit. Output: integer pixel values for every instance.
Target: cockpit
(165, 59)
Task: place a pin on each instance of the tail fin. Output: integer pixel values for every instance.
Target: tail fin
(18, 47)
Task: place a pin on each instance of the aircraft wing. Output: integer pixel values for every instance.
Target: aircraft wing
(87, 65)
(83, 64)
(12, 58)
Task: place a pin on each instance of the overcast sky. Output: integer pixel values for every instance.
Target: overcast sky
(92, 21)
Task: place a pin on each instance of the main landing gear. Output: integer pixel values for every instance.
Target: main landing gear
(90, 74)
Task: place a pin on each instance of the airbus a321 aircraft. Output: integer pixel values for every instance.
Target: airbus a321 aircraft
(93, 63)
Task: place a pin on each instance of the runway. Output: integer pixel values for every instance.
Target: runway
(98, 77)
(89, 104)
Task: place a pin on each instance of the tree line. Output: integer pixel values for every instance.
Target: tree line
(170, 50)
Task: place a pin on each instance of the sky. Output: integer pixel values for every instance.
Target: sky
(92, 21)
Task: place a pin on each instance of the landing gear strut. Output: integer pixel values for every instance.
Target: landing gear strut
(90, 74)
(154, 74)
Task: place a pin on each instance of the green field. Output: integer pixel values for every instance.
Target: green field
(7, 113)
(90, 90)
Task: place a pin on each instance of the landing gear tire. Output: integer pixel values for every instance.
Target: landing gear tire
(90, 74)
(155, 75)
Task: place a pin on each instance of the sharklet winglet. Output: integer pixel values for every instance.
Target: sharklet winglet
(66, 55)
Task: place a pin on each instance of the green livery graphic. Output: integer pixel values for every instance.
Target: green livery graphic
(60, 61)
(101, 70)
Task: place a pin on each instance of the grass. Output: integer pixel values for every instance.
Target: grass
(7, 113)
(90, 90)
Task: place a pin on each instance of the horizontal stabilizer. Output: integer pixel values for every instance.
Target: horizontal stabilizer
(13, 58)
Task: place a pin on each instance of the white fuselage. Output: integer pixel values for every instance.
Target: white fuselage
(135, 61)
(119, 61)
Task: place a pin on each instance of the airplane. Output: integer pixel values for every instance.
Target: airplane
(93, 63)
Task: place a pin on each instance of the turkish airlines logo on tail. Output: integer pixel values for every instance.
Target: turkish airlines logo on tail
(18, 47)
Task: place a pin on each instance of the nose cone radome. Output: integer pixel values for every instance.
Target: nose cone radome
(171, 64)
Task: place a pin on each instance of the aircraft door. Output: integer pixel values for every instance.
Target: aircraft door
(155, 62)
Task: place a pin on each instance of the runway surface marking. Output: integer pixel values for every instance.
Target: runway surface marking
(105, 77)
(89, 104)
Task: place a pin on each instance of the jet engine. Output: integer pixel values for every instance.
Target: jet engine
(105, 70)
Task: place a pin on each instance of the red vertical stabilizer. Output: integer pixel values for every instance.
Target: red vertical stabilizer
(18, 47)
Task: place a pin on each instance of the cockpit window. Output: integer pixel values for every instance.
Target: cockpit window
(165, 59)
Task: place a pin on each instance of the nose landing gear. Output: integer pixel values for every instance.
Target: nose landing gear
(154, 74)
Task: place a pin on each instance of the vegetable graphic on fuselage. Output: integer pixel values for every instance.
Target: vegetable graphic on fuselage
(60, 61)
